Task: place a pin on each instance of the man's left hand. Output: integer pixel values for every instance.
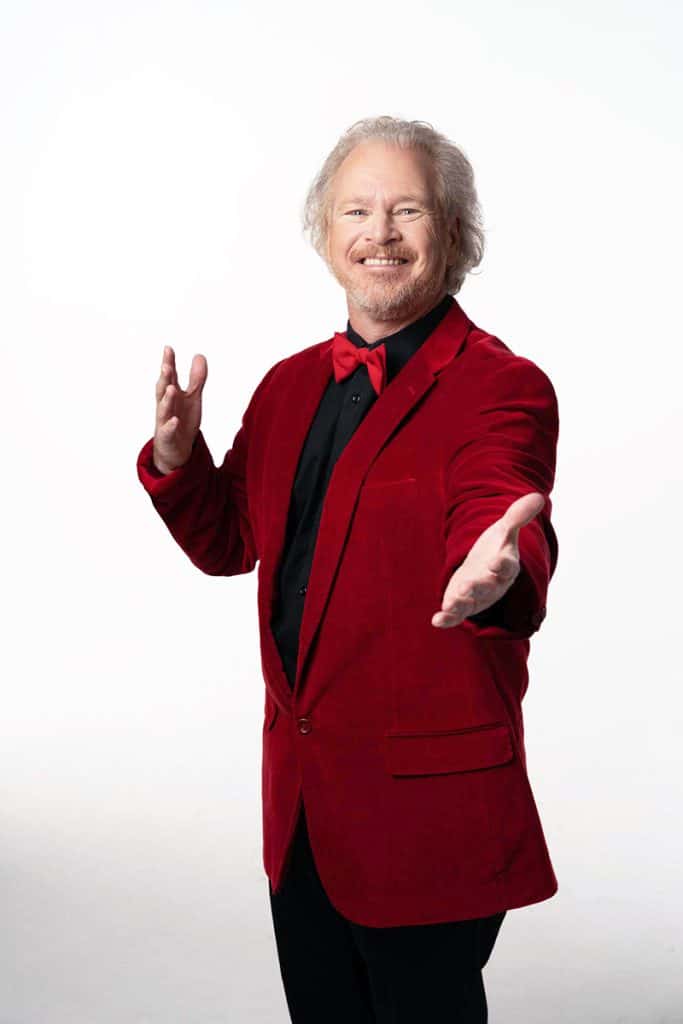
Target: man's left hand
(491, 567)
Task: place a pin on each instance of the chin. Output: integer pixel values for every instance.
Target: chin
(389, 303)
(385, 307)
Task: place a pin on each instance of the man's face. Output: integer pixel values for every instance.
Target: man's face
(382, 204)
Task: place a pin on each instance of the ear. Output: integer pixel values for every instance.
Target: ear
(326, 237)
(453, 234)
(327, 217)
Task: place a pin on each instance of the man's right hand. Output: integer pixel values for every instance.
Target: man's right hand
(179, 412)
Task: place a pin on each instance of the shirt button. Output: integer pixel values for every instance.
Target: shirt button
(304, 725)
(355, 397)
(302, 590)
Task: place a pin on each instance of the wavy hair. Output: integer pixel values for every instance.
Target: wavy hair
(455, 193)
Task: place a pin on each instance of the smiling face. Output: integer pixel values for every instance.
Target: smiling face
(382, 204)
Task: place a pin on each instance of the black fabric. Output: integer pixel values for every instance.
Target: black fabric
(341, 410)
(337, 971)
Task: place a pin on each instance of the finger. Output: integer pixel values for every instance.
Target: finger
(170, 359)
(198, 374)
(168, 373)
(459, 607)
(166, 405)
(461, 590)
(167, 429)
(443, 620)
(168, 367)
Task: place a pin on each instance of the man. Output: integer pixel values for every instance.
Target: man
(393, 484)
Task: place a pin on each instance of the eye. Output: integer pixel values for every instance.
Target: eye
(354, 211)
(407, 209)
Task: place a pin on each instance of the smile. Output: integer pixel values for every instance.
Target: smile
(383, 262)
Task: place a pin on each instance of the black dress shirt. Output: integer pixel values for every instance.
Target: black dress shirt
(341, 410)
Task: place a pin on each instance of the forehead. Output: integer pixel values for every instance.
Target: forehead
(378, 168)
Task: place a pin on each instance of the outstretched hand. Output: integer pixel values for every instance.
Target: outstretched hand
(491, 566)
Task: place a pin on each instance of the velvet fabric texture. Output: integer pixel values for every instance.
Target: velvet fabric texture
(343, 407)
(405, 741)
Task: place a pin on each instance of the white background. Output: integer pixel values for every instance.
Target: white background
(155, 160)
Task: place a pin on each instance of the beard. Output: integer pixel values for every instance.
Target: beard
(390, 300)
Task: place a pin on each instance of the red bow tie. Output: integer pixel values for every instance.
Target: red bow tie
(346, 357)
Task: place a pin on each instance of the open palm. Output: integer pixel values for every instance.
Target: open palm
(491, 566)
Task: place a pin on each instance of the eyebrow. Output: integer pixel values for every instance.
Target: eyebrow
(399, 199)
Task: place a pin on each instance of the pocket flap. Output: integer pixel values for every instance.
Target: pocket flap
(438, 753)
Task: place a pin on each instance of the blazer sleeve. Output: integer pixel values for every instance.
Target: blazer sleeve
(205, 508)
(507, 449)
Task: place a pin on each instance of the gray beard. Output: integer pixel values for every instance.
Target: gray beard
(394, 303)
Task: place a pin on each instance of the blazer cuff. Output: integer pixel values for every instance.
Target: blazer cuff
(165, 489)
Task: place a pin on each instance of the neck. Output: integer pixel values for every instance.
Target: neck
(371, 329)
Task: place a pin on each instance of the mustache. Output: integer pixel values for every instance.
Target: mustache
(384, 256)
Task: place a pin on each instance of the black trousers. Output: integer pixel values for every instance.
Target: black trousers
(335, 971)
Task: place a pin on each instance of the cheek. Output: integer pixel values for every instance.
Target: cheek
(340, 244)
(427, 251)
(348, 249)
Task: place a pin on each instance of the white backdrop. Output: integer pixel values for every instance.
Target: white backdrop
(155, 160)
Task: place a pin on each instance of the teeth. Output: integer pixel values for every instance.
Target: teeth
(382, 263)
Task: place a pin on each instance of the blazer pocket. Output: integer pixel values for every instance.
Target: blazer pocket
(379, 485)
(439, 753)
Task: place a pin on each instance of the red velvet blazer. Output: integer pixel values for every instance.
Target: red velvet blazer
(404, 741)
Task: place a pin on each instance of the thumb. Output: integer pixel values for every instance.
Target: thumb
(198, 374)
(521, 512)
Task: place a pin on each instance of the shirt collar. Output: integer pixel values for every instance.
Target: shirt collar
(402, 344)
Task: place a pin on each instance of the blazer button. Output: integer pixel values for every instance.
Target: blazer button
(304, 725)
(302, 590)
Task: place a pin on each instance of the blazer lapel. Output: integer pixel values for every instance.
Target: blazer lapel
(293, 417)
(384, 416)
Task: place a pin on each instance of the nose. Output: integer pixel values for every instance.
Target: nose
(381, 228)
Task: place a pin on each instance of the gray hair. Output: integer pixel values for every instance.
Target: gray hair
(456, 196)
